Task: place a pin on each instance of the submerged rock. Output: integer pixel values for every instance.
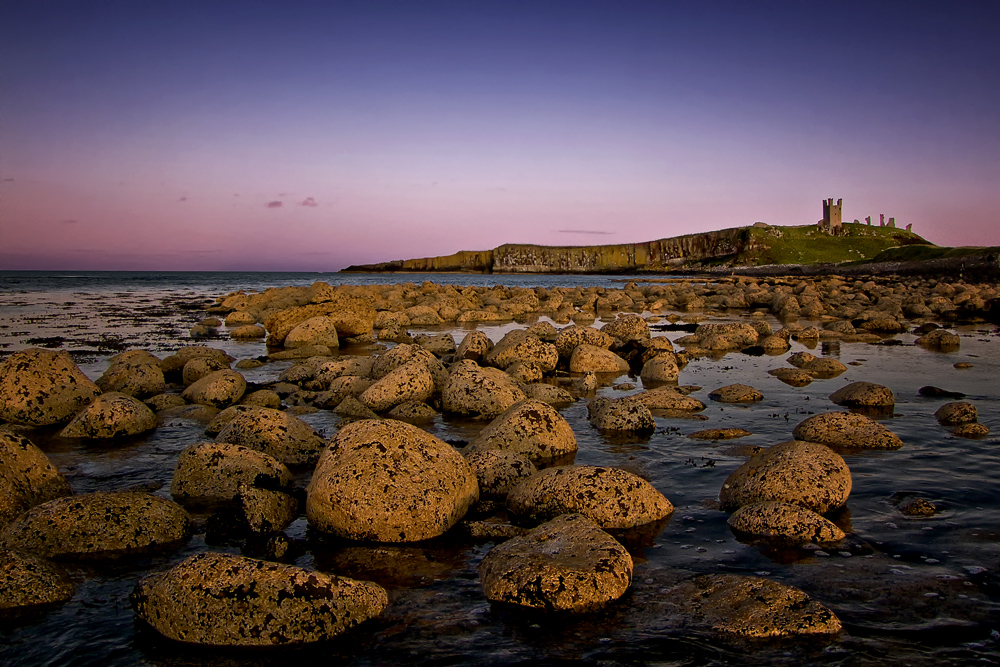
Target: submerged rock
(752, 607)
(567, 564)
(41, 387)
(626, 414)
(225, 600)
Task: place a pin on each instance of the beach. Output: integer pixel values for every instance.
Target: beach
(915, 589)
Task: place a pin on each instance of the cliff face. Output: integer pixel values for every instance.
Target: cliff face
(760, 244)
(622, 258)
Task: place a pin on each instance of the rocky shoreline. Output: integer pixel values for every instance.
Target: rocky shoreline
(565, 536)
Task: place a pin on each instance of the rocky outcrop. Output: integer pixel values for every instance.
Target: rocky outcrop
(567, 564)
(225, 600)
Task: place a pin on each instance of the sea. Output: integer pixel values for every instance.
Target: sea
(908, 590)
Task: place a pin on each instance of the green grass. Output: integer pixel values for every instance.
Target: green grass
(916, 252)
(808, 244)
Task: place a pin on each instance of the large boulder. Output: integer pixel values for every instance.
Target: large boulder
(99, 525)
(751, 607)
(727, 336)
(626, 414)
(473, 390)
(611, 497)
(590, 358)
(411, 382)
(806, 474)
(389, 481)
(567, 564)
(475, 346)
(111, 415)
(217, 390)
(846, 430)
(626, 328)
(498, 471)
(661, 368)
(28, 583)
(959, 412)
(401, 355)
(41, 387)
(210, 473)
(783, 523)
(136, 373)
(352, 316)
(319, 330)
(173, 365)
(278, 434)
(568, 338)
(531, 428)
(225, 600)
(27, 478)
(519, 345)
(864, 395)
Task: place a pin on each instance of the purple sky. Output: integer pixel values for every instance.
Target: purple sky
(312, 135)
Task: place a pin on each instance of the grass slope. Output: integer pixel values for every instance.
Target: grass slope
(808, 244)
(917, 252)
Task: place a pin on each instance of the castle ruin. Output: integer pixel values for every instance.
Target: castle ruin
(833, 219)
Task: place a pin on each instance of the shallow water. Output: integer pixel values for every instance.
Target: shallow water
(913, 591)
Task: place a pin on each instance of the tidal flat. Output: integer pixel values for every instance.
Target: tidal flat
(911, 588)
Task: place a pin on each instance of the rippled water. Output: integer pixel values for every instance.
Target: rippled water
(911, 591)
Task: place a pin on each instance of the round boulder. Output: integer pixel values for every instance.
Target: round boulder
(611, 497)
(568, 338)
(472, 390)
(475, 346)
(99, 525)
(28, 583)
(846, 430)
(531, 428)
(736, 393)
(626, 328)
(410, 382)
(959, 412)
(111, 415)
(864, 394)
(275, 433)
(498, 472)
(590, 358)
(217, 390)
(210, 473)
(225, 600)
(519, 345)
(389, 481)
(136, 373)
(27, 478)
(784, 523)
(567, 564)
(41, 387)
(661, 368)
(622, 414)
(806, 474)
(319, 330)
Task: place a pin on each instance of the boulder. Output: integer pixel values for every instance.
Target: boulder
(349, 366)
(719, 434)
(41, 387)
(27, 478)
(959, 412)
(199, 367)
(783, 523)
(794, 377)
(806, 474)
(824, 368)
(137, 375)
(751, 607)
(401, 355)
(210, 473)
(590, 358)
(173, 365)
(568, 564)
(217, 390)
(627, 327)
(971, 430)
(28, 583)
(413, 412)
(265, 510)
(99, 525)
(551, 394)
(736, 393)
(352, 316)
(475, 346)
(727, 336)
(111, 415)
(341, 388)
(239, 318)
(519, 345)
(411, 382)
(498, 471)
(846, 430)
(389, 481)
(531, 428)
(661, 368)
(668, 398)
(438, 345)
(225, 600)
(621, 414)
(611, 497)
(275, 433)
(568, 338)
(262, 398)
(939, 339)
(354, 409)
(864, 394)
(472, 390)
(319, 330)
(524, 372)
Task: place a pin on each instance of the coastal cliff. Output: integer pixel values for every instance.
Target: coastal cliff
(738, 246)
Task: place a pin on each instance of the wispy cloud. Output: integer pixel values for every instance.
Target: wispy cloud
(275, 204)
(582, 231)
(68, 222)
(309, 201)
(183, 199)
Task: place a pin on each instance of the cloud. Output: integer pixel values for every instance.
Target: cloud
(183, 199)
(309, 201)
(68, 222)
(275, 204)
(8, 180)
(581, 231)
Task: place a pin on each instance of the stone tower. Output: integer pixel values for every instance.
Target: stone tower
(833, 215)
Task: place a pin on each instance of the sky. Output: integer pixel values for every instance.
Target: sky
(313, 135)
